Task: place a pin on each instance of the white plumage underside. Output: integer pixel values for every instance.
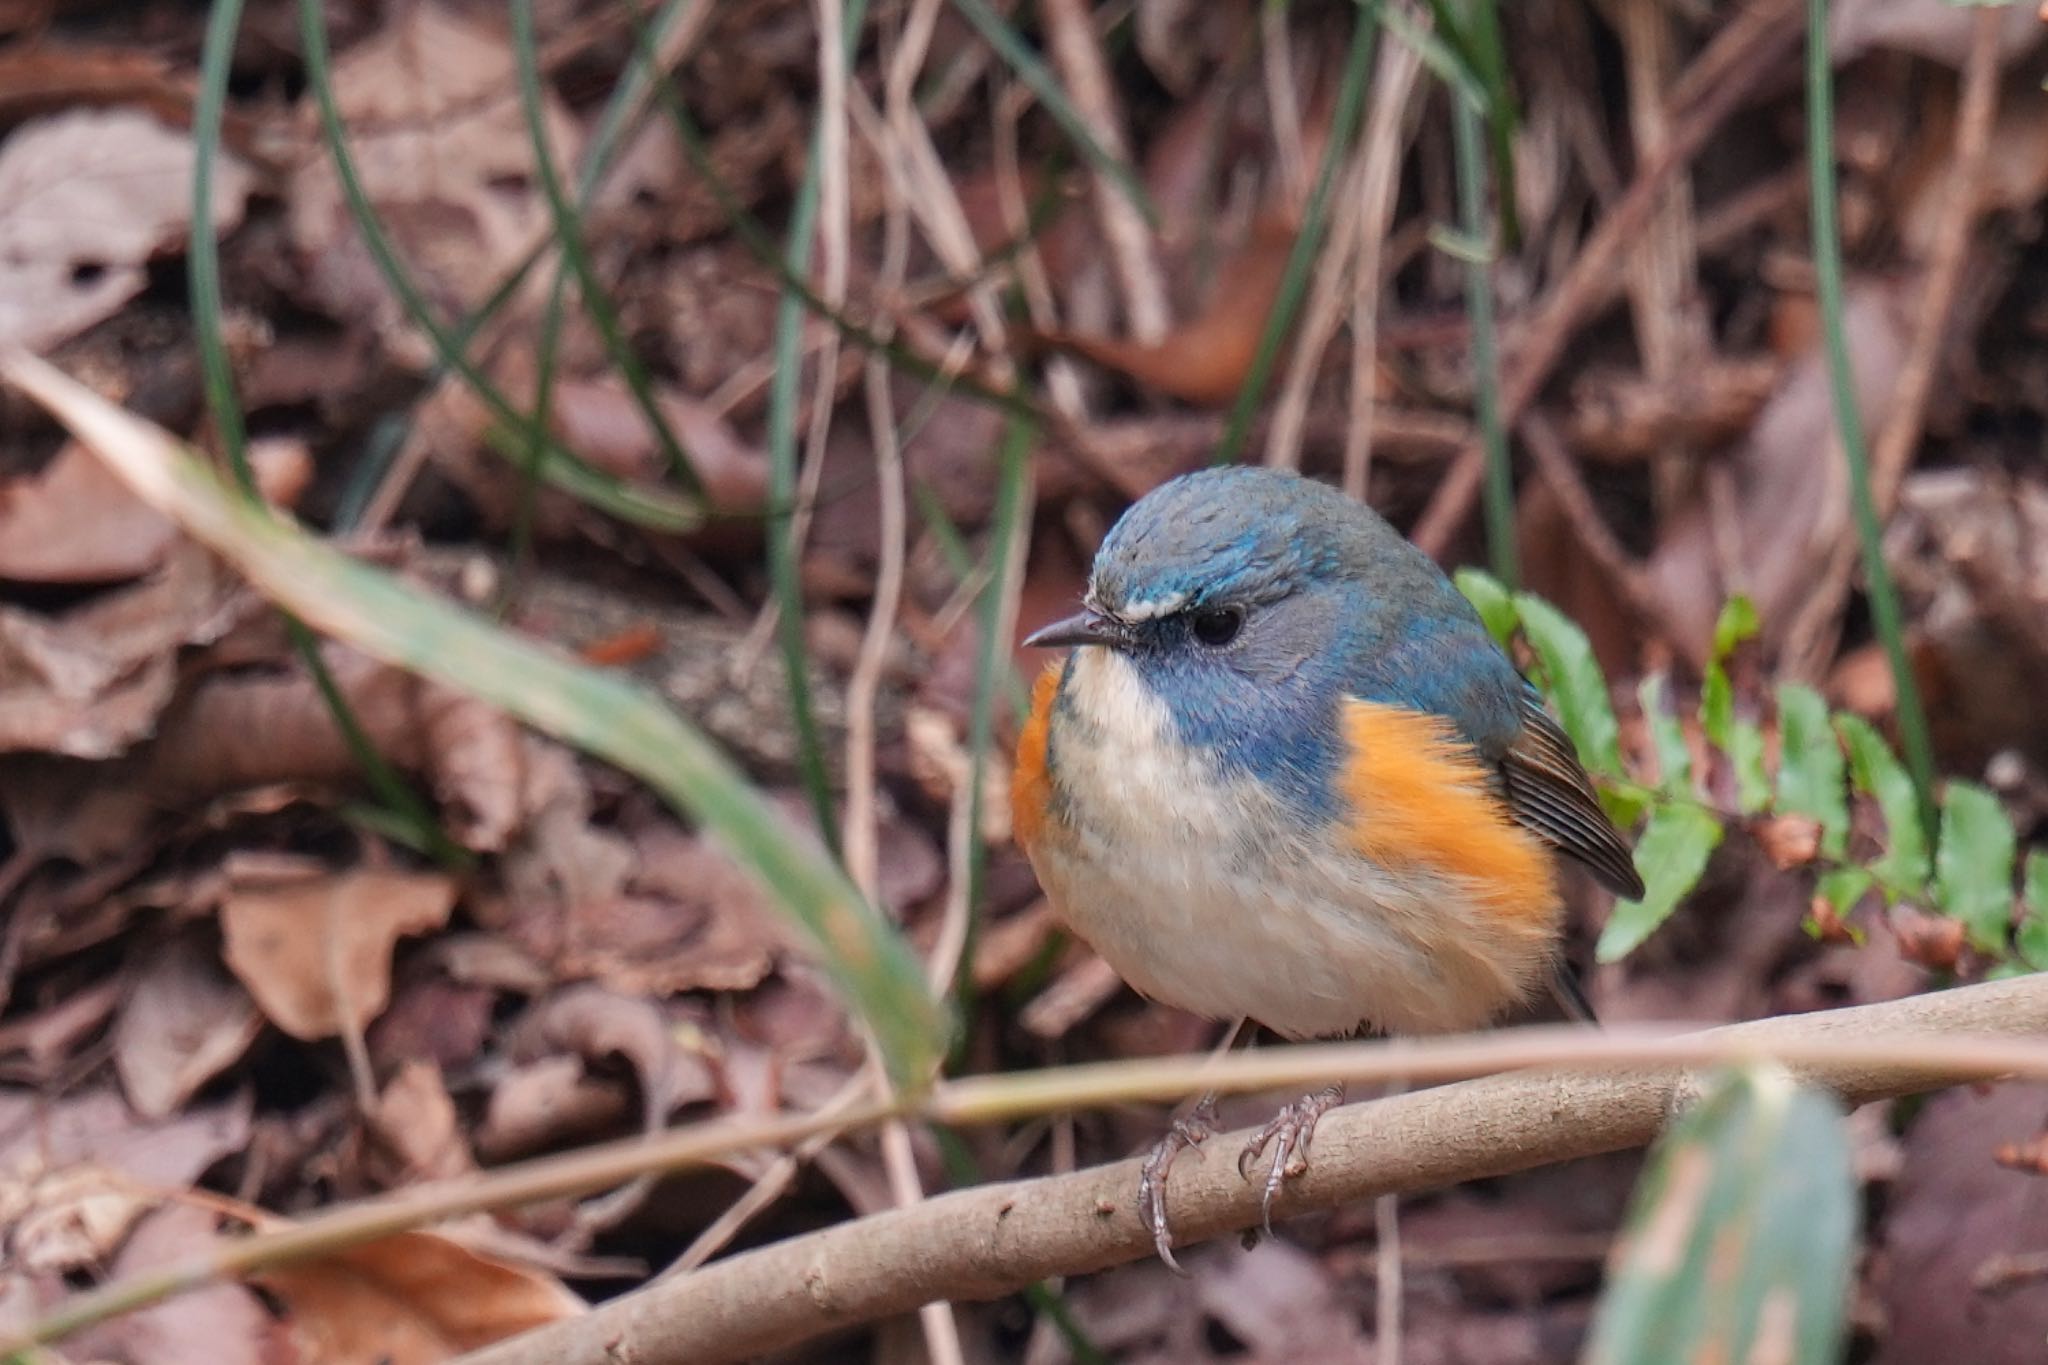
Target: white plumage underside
(1206, 893)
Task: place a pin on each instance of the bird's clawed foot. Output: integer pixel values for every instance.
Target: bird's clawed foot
(1289, 1134)
(1191, 1131)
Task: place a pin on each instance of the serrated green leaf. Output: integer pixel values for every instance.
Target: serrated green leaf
(1875, 771)
(1843, 887)
(1741, 1234)
(1671, 855)
(1736, 623)
(1491, 600)
(2033, 932)
(1575, 681)
(1667, 736)
(1974, 864)
(1813, 779)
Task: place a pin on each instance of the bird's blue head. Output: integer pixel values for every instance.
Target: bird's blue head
(1251, 601)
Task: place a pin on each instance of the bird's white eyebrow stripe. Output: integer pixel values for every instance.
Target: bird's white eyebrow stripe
(1152, 608)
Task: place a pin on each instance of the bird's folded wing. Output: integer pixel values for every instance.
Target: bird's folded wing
(1549, 793)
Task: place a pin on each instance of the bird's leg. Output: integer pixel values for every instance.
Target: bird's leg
(1192, 1130)
(1289, 1132)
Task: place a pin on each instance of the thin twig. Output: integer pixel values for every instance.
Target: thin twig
(1392, 96)
(1355, 231)
(987, 1242)
(1077, 53)
(1625, 574)
(1810, 635)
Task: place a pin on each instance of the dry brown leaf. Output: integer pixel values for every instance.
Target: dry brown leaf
(2015, 178)
(76, 1175)
(316, 951)
(221, 1323)
(432, 1018)
(546, 1104)
(238, 730)
(413, 1299)
(71, 1217)
(596, 1024)
(86, 198)
(186, 1021)
(1205, 360)
(598, 419)
(74, 522)
(441, 147)
(90, 681)
(416, 1125)
(98, 1126)
(1792, 493)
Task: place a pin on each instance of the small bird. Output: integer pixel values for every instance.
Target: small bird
(1287, 776)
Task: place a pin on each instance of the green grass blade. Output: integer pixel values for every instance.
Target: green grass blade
(410, 818)
(653, 508)
(568, 220)
(1472, 214)
(1670, 855)
(596, 711)
(1345, 122)
(992, 664)
(784, 397)
(1827, 266)
(1741, 1236)
(1036, 77)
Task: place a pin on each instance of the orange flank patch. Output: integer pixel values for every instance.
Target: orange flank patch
(1031, 784)
(1423, 800)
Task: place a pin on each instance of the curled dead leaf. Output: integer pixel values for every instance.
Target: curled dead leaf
(1933, 941)
(1789, 841)
(185, 1021)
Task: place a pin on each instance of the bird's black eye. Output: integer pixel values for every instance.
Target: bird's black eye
(1217, 626)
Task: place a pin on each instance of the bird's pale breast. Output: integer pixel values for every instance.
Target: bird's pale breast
(1425, 910)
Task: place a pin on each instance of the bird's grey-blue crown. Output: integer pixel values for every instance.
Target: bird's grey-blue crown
(1240, 534)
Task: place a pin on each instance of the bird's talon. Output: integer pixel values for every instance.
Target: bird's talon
(1289, 1133)
(1192, 1131)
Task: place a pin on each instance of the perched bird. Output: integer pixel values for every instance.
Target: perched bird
(1287, 776)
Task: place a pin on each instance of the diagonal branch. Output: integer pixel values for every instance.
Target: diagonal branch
(993, 1240)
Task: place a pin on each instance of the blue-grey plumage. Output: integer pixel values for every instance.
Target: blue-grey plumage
(1336, 604)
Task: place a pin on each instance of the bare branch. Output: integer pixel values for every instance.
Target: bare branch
(993, 1240)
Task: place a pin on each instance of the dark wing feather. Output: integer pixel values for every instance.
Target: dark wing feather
(1548, 792)
(1570, 995)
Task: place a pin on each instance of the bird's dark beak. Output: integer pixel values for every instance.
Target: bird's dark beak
(1082, 628)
